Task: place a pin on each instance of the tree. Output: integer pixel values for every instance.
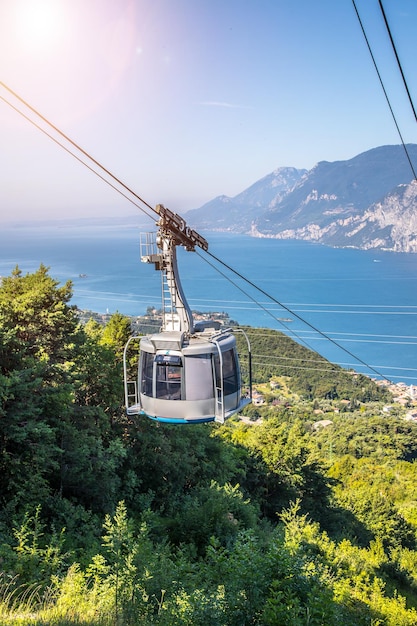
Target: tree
(116, 333)
(37, 329)
(36, 308)
(60, 395)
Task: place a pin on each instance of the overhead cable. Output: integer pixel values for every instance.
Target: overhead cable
(75, 145)
(293, 313)
(384, 90)
(397, 59)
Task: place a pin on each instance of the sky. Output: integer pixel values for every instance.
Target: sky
(185, 100)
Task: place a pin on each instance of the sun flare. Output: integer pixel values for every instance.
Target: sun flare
(39, 23)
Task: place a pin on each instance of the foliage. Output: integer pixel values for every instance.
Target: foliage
(286, 469)
(374, 436)
(264, 521)
(312, 376)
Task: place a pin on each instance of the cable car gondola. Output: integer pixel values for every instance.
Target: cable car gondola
(188, 372)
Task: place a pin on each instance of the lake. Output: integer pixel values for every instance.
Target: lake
(354, 307)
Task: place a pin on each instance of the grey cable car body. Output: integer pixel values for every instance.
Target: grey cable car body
(188, 372)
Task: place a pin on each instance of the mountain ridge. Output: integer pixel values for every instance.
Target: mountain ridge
(367, 202)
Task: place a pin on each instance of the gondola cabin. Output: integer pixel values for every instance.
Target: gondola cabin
(187, 373)
(184, 380)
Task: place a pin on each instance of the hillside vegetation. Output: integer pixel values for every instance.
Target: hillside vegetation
(301, 513)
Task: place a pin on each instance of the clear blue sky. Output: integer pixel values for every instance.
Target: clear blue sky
(185, 100)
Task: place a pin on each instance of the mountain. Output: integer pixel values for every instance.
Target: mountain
(238, 213)
(389, 225)
(369, 201)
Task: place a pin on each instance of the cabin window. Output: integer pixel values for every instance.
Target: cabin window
(230, 372)
(168, 376)
(147, 373)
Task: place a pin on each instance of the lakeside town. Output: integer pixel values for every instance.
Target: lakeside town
(404, 395)
(151, 321)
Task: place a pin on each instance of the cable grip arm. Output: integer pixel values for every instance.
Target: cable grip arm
(173, 231)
